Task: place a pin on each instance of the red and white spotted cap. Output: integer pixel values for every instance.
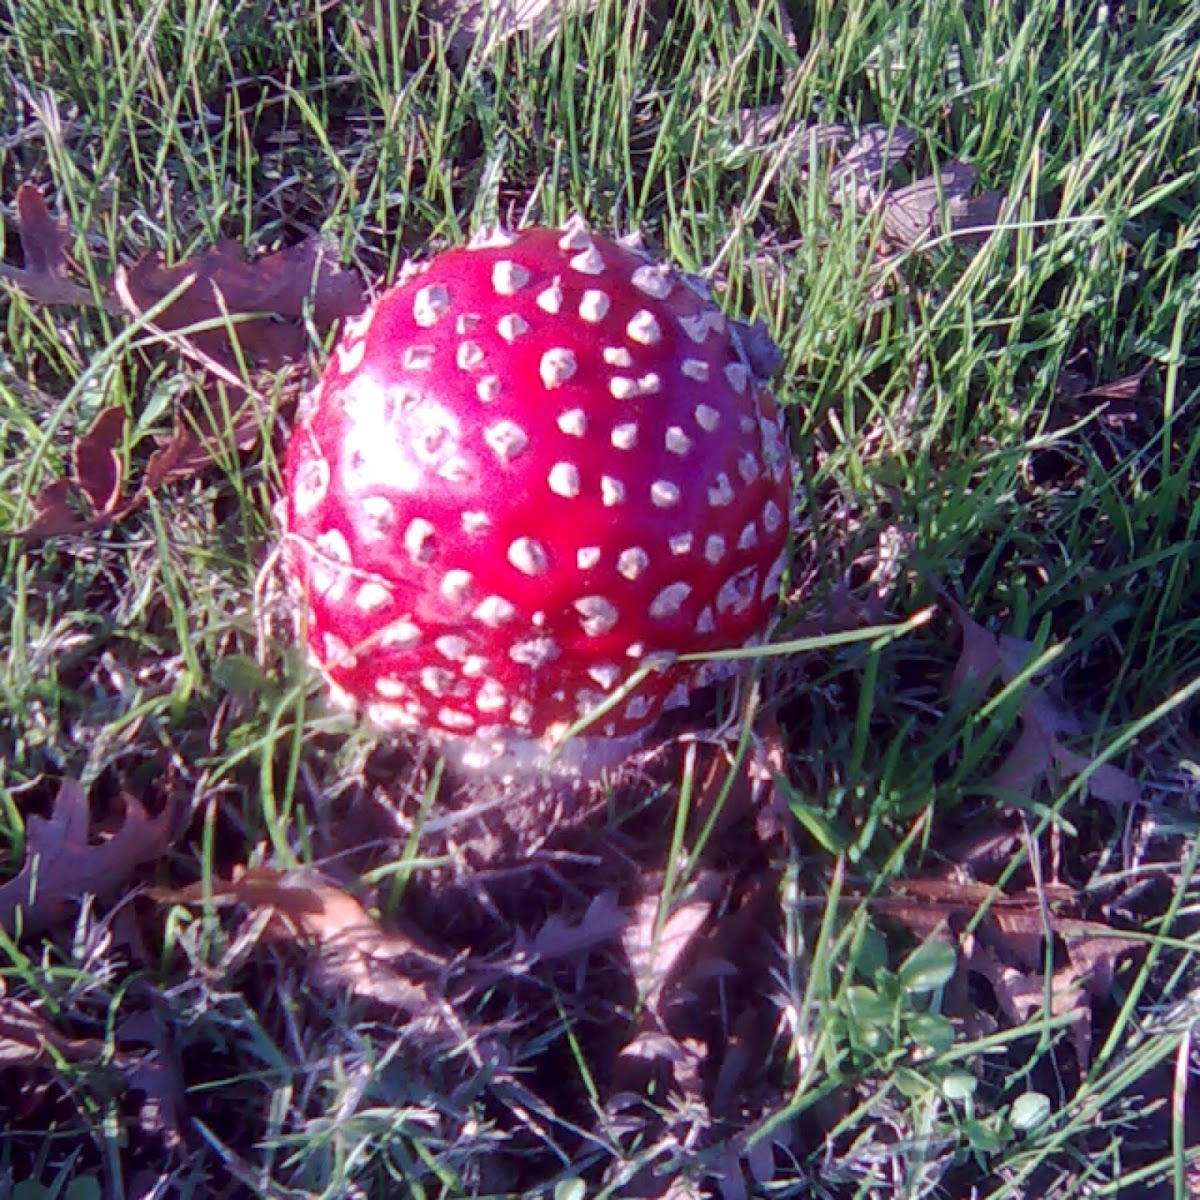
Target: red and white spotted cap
(530, 469)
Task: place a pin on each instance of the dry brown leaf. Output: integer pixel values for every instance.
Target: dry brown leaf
(1026, 764)
(276, 287)
(44, 240)
(98, 473)
(199, 439)
(180, 456)
(737, 786)
(742, 1052)
(858, 166)
(1022, 991)
(978, 660)
(96, 460)
(154, 1071)
(1117, 401)
(869, 158)
(603, 921)
(937, 205)
(1070, 384)
(1128, 387)
(656, 947)
(728, 1176)
(219, 289)
(1039, 752)
(861, 160)
(1008, 947)
(705, 1022)
(53, 515)
(756, 127)
(273, 293)
(490, 22)
(765, 766)
(351, 950)
(61, 864)
(27, 1039)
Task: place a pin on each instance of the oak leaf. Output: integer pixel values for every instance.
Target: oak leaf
(44, 241)
(1040, 751)
(27, 1039)
(96, 460)
(53, 515)
(62, 864)
(227, 306)
(1008, 947)
(351, 951)
(940, 204)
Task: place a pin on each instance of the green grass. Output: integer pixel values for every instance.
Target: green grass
(933, 394)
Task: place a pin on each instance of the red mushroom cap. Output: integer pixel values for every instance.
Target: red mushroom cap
(529, 470)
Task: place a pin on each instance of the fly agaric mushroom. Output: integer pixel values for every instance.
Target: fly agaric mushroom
(532, 468)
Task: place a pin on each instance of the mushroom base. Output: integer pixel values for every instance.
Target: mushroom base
(518, 757)
(508, 755)
(504, 756)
